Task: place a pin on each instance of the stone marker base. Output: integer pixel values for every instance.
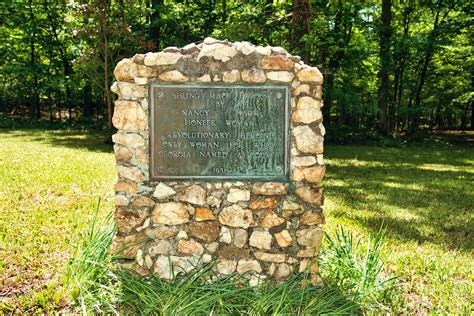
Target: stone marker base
(270, 228)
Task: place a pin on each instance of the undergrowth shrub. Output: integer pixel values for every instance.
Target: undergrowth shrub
(90, 277)
(194, 294)
(357, 269)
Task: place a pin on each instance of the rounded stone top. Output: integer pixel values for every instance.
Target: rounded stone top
(216, 60)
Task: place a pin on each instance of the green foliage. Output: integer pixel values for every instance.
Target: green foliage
(58, 60)
(194, 294)
(358, 269)
(89, 278)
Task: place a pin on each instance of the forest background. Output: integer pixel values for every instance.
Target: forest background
(391, 67)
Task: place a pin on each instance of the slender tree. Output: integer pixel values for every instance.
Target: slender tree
(385, 62)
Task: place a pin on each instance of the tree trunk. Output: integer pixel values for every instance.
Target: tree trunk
(414, 122)
(385, 43)
(301, 26)
(155, 22)
(35, 97)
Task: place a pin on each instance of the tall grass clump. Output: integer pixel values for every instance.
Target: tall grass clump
(357, 269)
(194, 294)
(90, 276)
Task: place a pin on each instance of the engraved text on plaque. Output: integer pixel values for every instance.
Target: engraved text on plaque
(219, 131)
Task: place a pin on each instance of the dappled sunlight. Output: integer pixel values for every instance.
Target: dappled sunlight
(443, 167)
(423, 197)
(398, 185)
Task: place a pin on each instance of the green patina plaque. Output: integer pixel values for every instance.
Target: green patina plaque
(219, 131)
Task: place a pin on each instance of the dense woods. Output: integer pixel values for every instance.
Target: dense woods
(389, 66)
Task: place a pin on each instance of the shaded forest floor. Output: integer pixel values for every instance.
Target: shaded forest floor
(50, 182)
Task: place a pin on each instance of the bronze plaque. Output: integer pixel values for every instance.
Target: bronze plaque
(219, 131)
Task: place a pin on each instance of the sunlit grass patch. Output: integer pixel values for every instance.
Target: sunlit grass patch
(47, 194)
(424, 198)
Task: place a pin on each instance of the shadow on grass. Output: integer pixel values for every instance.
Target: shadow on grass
(421, 194)
(98, 141)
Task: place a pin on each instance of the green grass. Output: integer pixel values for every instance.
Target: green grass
(424, 197)
(50, 182)
(193, 294)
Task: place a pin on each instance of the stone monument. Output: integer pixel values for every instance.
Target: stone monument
(219, 154)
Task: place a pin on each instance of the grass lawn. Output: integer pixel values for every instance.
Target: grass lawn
(424, 197)
(50, 182)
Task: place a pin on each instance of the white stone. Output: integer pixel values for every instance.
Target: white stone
(298, 66)
(130, 91)
(148, 261)
(160, 247)
(212, 247)
(162, 267)
(184, 264)
(162, 191)
(245, 48)
(128, 140)
(140, 80)
(213, 201)
(195, 194)
(308, 110)
(218, 51)
(130, 173)
(204, 78)
(171, 213)
(236, 195)
(257, 279)
(182, 235)
(263, 50)
(190, 247)
(310, 74)
(254, 75)
(206, 258)
(301, 89)
(246, 265)
(322, 130)
(145, 225)
(307, 141)
(225, 235)
(236, 216)
(280, 76)
(270, 257)
(231, 76)
(261, 239)
(161, 59)
(240, 237)
(283, 271)
(310, 237)
(303, 161)
(320, 159)
(139, 258)
(226, 267)
(165, 266)
(190, 48)
(121, 200)
(279, 50)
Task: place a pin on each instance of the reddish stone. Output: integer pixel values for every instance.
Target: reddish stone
(266, 203)
(276, 62)
(207, 231)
